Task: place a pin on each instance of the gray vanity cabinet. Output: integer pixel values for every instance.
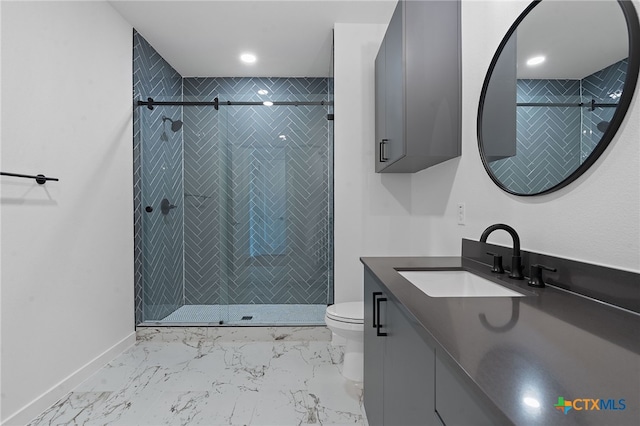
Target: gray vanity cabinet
(417, 87)
(408, 379)
(456, 403)
(408, 385)
(373, 353)
(398, 385)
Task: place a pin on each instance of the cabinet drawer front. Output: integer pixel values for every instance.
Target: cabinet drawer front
(455, 404)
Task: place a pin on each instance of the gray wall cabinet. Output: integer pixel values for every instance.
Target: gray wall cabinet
(418, 87)
(499, 114)
(407, 380)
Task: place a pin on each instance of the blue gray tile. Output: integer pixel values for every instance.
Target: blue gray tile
(252, 186)
(552, 142)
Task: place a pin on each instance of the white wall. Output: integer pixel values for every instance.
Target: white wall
(67, 246)
(1, 347)
(365, 209)
(595, 219)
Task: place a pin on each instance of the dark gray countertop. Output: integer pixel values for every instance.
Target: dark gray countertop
(548, 344)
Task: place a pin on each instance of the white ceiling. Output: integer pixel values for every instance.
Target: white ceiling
(577, 39)
(291, 38)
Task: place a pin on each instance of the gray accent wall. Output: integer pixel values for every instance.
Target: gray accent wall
(257, 193)
(157, 175)
(604, 86)
(252, 185)
(547, 138)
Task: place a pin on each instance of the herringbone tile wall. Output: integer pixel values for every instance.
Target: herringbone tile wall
(604, 86)
(552, 142)
(547, 138)
(253, 188)
(257, 194)
(157, 175)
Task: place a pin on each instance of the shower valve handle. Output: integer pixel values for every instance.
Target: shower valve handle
(165, 206)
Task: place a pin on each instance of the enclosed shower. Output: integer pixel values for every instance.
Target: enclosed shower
(234, 199)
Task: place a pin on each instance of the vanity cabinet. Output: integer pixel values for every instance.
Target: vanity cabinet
(418, 87)
(374, 346)
(398, 367)
(456, 404)
(408, 380)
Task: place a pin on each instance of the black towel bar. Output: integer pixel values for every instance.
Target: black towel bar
(41, 179)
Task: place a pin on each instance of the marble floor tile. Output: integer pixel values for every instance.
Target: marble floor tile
(203, 380)
(232, 334)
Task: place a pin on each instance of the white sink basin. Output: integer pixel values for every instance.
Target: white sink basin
(456, 284)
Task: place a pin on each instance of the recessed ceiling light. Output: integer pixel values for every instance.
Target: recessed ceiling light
(248, 58)
(263, 92)
(536, 60)
(267, 103)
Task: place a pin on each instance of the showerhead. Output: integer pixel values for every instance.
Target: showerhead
(175, 124)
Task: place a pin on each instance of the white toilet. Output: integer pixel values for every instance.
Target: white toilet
(346, 322)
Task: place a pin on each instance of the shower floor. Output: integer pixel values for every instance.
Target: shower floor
(280, 315)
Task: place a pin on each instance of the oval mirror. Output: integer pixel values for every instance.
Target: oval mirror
(556, 92)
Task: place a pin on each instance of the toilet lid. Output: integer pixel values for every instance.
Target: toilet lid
(349, 311)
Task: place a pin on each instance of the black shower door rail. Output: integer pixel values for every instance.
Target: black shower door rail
(592, 104)
(150, 103)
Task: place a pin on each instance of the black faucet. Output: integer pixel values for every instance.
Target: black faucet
(516, 259)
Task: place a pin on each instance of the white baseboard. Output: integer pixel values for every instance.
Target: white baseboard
(53, 395)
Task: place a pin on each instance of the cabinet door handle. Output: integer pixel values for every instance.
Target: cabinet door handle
(375, 294)
(378, 332)
(383, 150)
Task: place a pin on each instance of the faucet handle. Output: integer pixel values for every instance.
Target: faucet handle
(535, 275)
(497, 263)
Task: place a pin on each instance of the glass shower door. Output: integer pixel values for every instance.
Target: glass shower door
(278, 207)
(167, 202)
(161, 199)
(236, 213)
(206, 229)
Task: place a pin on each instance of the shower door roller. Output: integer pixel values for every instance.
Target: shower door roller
(148, 209)
(165, 206)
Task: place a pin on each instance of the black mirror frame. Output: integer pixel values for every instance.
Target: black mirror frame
(633, 68)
